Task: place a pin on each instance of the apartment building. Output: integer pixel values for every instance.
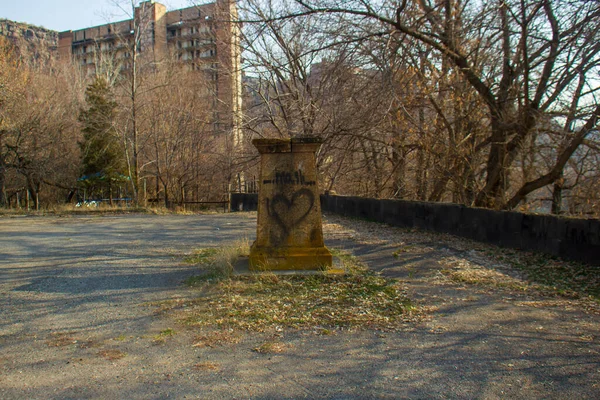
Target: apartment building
(203, 37)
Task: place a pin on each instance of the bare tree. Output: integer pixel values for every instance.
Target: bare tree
(38, 127)
(299, 89)
(131, 78)
(180, 136)
(526, 61)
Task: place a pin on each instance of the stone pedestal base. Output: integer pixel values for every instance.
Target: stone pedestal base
(279, 259)
(289, 233)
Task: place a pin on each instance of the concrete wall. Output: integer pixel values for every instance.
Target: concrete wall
(568, 238)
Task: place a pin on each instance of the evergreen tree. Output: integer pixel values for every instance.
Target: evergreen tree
(103, 157)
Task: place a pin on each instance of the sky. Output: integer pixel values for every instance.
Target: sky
(63, 15)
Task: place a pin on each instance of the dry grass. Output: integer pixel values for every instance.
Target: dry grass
(61, 339)
(272, 346)
(216, 263)
(102, 209)
(470, 262)
(112, 354)
(162, 337)
(555, 283)
(206, 366)
(461, 270)
(71, 209)
(217, 338)
(547, 280)
(269, 302)
(565, 278)
(525, 273)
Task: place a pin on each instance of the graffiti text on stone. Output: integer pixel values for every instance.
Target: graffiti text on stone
(289, 178)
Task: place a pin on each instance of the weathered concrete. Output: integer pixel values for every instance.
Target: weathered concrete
(567, 238)
(289, 234)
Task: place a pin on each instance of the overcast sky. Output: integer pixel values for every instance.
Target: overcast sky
(63, 15)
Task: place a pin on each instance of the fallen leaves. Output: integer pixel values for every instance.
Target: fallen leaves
(61, 339)
(486, 266)
(207, 366)
(271, 347)
(254, 303)
(112, 354)
(359, 299)
(217, 338)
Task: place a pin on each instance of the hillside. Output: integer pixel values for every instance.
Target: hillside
(34, 43)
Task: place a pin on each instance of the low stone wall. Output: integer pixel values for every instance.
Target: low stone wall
(568, 238)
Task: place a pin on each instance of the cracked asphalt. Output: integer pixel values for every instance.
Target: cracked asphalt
(77, 321)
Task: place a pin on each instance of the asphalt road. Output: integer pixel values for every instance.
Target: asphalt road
(76, 322)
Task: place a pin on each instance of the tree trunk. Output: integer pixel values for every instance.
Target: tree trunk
(166, 195)
(491, 195)
(469, 190)
(33, 189)
(557, 195)
(421, 167)
(421, 177)
(3, 198)
(439, 188)
(399, 165)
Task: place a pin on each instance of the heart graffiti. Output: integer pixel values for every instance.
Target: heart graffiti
(289, 213)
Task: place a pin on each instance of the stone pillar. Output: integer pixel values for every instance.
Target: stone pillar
(289, 233)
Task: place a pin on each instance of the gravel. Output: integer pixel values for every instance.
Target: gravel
(78, 321)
